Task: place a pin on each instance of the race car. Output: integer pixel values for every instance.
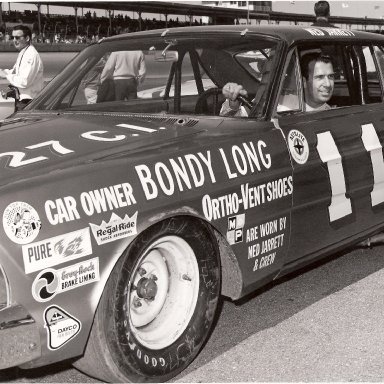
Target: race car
(126, 220)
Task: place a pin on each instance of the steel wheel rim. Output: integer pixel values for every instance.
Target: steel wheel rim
(163, 292)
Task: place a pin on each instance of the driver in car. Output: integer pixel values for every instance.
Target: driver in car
(318, 78)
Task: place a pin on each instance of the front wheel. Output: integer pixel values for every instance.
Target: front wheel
(158, 305)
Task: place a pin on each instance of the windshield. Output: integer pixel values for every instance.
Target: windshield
(158, 75)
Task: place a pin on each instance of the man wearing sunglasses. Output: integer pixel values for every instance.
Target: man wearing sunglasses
(27, 73)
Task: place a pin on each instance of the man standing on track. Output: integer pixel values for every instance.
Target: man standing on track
(127, 70)
(322, 12)
(27, 73)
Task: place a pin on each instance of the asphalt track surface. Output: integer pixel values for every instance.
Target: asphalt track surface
(323, 323)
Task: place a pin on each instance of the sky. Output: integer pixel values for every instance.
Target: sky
(355, 8)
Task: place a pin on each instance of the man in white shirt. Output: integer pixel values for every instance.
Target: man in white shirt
(27, 73)
(127, 70)
(318, 79)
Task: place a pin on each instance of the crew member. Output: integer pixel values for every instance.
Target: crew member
(27, 73)
(322, 12)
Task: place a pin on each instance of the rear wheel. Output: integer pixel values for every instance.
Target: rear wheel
(158, 305)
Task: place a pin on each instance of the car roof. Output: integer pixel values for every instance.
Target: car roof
(289, 34)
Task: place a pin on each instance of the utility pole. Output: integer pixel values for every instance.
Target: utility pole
(39, 18)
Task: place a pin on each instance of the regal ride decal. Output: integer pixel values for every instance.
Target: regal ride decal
(117, 228)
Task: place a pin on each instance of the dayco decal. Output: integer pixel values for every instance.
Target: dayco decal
(61, 326)
(192, 170)
(50, 282)
(115, 229)
(99, 200)
(57, 250)
(249, 197)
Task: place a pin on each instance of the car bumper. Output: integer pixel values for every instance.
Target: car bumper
(19, 337)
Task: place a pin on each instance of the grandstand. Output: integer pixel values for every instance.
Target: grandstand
(89, 27)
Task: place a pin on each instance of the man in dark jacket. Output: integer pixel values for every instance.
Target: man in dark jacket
(322, 12)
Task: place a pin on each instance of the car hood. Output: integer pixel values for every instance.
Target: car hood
(35, 144)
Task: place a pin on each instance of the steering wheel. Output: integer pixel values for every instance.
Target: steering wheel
(202, 102)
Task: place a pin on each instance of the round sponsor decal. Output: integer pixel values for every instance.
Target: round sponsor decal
(298, 145)
(45, 285)
(21, 222)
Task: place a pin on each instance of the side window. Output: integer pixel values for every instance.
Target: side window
(373, 77)
(379, 53)
(289, 99)
(316, 78)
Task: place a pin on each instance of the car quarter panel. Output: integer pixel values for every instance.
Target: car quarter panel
(72, 206)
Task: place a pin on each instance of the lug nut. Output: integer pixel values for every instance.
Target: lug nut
(186, 277)
(137, 302)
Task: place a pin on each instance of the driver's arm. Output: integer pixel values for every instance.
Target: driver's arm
(232, 106)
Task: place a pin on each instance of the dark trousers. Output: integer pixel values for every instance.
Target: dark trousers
(21, 104)
(125, 89)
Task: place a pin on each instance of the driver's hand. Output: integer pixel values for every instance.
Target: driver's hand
(231, 91)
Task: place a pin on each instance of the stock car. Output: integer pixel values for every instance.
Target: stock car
(125, 222)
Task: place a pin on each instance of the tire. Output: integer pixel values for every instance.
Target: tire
(158, 305)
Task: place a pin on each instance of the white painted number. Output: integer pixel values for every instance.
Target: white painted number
(17, 159)
(54, 145)
(329, 154)
(372, 145)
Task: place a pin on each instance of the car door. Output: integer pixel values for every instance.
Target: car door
(337, 162)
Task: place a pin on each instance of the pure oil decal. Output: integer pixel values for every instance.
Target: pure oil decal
(56, 250)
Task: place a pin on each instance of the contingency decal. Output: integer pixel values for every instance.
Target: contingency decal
(298, 145)
(50, 282)
(117, 228)
(21, 222)
(57, 250)
(235, 229)
(247, 197)
(61, 326)
(264, 240)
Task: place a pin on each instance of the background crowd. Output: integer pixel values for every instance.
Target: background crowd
(89, 27)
